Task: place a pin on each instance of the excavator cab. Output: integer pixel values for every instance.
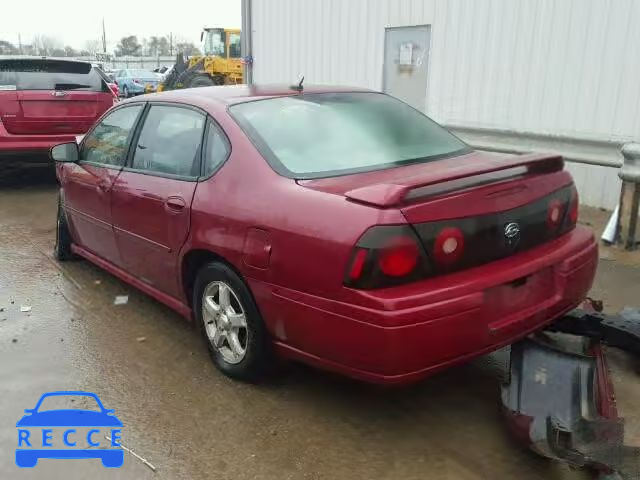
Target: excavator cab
(221, 42)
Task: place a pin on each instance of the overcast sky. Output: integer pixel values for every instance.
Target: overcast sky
(76, 21)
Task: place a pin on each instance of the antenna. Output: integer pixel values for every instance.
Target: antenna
(298, 87)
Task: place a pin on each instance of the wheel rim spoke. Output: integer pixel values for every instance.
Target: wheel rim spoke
(211, 307)
(235, 345)
(225, 321)
(237, 320)
(218, 338)
(223, 296)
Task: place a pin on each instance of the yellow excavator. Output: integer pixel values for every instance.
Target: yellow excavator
(220, 64)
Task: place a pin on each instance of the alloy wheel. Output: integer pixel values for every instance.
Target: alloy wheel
(225, 321)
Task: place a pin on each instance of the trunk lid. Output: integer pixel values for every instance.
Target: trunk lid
(491, 206)
(433, 190)
(54, 112)
(41, 96)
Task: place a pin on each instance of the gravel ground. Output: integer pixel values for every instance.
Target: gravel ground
(191, 422)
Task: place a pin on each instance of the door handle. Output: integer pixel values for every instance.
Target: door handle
(102, 186)
(175, 203)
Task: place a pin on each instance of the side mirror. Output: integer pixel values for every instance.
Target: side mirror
(201, 35)
(65, 152)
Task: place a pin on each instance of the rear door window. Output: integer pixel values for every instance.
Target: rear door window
(217, 149)
(169, 142)
(107, 143)
(43, 74)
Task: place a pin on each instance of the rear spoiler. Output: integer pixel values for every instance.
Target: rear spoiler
(457, 177)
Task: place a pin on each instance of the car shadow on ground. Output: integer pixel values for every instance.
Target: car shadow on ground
(16, 174)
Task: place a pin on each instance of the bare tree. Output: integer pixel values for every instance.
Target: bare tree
(7, 48)
(46, 44)
(36, 44)
(92, 46)
(152, 45)
(187, 48)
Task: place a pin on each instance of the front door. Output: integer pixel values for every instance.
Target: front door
(86, 185)
(406, 64)
(151, 200)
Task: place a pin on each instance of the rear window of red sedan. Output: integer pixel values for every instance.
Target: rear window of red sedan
(328, 134)
(46, 74)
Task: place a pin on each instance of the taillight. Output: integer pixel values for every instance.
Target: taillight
(135, 80)
(555, 213)
(571, 217)
(114, 89)
(573, 206)
(399, 258)
(357, 264)
(390, 255)
(449, 246)
(386, 255)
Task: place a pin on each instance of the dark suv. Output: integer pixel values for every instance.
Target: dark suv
(47, 101)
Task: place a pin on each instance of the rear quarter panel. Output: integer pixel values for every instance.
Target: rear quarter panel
(311, 233)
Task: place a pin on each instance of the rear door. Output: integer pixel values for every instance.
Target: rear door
(151, 200)
(42, 96)
(87, 185)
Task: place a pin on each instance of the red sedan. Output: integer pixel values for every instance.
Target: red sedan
(335, 226)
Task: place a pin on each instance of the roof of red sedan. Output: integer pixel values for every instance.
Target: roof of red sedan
(230, 94)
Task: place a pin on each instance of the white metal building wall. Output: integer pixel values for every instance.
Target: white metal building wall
(567, 67)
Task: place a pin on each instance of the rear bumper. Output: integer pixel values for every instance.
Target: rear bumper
(25, 145)
(403, 334)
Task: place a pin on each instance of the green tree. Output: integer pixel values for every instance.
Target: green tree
(128, 46)
(70, 51)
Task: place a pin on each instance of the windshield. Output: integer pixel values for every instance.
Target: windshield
(214, 43)
(320, 135)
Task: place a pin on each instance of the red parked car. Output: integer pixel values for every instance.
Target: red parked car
(335, 226)
(44, 102)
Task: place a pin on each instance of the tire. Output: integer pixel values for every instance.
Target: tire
(219, 329)
(201, 80)
(62, 248)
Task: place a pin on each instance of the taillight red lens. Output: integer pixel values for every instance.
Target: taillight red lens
(448, 246)
(135, 80)
(357, 264)
(399, 258)
(555, 213)
(385, 256)
(573, 206)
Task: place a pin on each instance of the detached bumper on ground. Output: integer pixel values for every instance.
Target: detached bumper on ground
(559, 400)
(403, 334)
